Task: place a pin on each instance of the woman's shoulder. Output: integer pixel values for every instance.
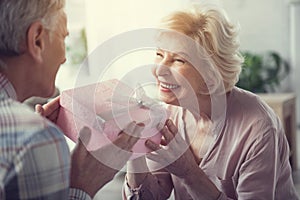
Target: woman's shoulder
(247, 105)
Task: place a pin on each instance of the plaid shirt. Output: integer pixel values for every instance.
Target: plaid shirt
(34, 156)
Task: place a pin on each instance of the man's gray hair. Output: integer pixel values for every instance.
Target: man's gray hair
(17, 15)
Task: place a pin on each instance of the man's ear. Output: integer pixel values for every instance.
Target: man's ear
(36, 38)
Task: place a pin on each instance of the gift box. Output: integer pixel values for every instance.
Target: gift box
(107, 108)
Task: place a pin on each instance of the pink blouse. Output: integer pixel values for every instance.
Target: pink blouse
(249, 159)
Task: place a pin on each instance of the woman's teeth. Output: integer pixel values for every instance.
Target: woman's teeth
(169, 86)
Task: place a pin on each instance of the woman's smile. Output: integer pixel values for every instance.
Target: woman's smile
(168, 87)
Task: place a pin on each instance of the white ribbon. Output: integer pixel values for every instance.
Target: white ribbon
(122, 103)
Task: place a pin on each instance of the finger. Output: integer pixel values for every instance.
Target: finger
(84, 135)
(125, 141)
(154, 157)
(128, 138)
(39, 109)
(51, 106)
(152, 145)
(167, 134)
(53, 116)
(204, 116)
(138, 128)
(171, 126)
(80, 150)
(163, 142)
(160, 126)
(129, 128)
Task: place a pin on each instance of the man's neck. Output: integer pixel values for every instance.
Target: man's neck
(18, 74)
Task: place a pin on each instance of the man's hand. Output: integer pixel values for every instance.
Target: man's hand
(49, 110)
(91, 170)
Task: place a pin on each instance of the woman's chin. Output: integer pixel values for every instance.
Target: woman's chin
(168, 100)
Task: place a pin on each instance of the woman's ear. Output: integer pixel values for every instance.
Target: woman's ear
(36, 38)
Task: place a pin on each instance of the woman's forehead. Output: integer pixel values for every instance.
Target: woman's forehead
(181, 45)
(173, 43)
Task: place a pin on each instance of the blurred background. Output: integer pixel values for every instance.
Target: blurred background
(270, 42)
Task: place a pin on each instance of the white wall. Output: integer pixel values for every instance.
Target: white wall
(264, 24)
(67, 73)
(295, 51)
(271, 25)
(108, 19)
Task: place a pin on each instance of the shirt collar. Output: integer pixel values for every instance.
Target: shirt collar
(6, 88)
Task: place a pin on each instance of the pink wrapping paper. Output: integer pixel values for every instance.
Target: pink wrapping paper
(106, 108)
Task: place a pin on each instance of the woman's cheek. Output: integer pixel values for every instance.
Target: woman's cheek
(153, 71)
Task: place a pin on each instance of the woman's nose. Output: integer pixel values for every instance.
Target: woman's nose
(162, 70)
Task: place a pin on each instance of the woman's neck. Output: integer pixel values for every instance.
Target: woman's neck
(204, 104)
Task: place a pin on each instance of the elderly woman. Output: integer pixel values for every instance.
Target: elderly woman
(237, 148)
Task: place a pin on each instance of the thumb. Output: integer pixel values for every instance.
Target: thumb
(84, 135)
(39, 109)
(80, 149)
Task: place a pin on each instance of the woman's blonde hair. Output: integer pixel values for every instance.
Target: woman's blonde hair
(211, 29)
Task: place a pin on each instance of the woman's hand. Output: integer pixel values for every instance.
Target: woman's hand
(174, 152)
(137, 171)
(49, 110)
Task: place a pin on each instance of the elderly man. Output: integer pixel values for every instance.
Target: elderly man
(35, 161)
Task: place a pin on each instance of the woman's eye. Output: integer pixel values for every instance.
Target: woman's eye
(179, 61)
(158, 54)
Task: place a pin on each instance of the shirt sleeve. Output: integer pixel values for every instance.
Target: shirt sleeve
(223, 197)
(263, 166)
(156, 186)
(76, 194)
(41, 167)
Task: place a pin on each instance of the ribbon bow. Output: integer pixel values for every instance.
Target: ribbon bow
(122, 104)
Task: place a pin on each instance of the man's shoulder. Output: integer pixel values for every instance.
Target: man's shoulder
(23, 124)
(16, 114)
